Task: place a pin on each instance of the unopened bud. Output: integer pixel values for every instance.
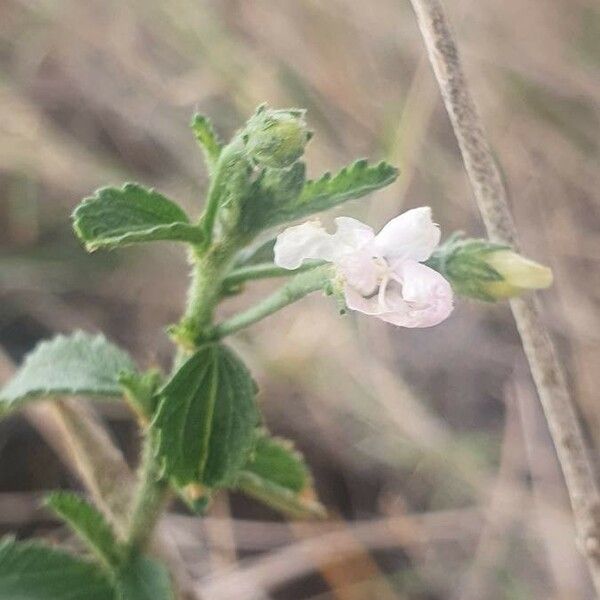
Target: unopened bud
(518, 273)
(487, 271)
(276, 138)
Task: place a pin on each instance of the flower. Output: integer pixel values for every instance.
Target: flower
(381, 274)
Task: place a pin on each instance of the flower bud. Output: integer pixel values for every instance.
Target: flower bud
(487, 271)
(276, 138)
(518, 273)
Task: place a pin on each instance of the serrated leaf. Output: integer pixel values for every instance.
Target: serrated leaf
(354, 181)
(206, 418)
(120, 216)
(67, 365)
(89, 524)
(33, 571)
(208, 140)
(277, 475)
(144, 579)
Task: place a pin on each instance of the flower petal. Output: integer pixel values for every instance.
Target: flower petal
(310, 240)
(368, 305)
(351, 235)
(302, 242)
(427, 294)
(411, 235)
(359, 270)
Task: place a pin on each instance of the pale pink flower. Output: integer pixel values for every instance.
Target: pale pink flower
(382, 274)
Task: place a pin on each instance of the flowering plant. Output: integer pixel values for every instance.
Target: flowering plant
(200, 423)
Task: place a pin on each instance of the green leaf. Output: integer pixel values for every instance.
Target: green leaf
(354, 181)
(67, 365)
(144, 579)
(89, 524)
(276, 191)
(206, 419)
(119, 216)
(208, 140)
(140, 391)
(277, 475)
(33, 571)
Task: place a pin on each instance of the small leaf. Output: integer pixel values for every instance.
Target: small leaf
(119, 216)
(33, 571)
(354, 181)
(78, 364)
(206, 418)
(140, 391)
(278, 476)
(208, 140)
(144, 579)
(89, 524)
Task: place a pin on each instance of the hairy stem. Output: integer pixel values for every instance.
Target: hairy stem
(300, 286)
(491, 197)
(265, 270)
(149, 500)
(210, 269)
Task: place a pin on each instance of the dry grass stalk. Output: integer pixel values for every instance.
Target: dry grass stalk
(491, 198)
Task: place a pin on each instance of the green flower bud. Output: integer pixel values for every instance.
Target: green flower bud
(276, 138)
(487, 271)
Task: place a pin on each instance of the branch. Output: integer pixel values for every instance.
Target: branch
(298, 287)
(491, 198)
(264, 270)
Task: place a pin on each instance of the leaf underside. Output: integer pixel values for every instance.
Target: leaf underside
(206, 419)
(67, 365)
(120, 216)
(33, 571)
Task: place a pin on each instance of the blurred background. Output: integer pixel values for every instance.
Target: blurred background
(428, 446)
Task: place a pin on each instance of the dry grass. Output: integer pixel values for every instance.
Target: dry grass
(435, 435)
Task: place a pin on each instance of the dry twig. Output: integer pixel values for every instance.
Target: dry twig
(491, 198)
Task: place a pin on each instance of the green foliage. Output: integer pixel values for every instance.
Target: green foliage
(120, 216)
(277, 475)
(144, 579)
(33, 571)
(354, 181)
(208, 140)
(274, 192)
(205, 423)
(89, 524)
(140, 391)
(67, 365)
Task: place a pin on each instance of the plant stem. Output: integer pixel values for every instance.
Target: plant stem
(149, 500)
(209, 272)
(491, 198)
(264, 271)
(300, 286)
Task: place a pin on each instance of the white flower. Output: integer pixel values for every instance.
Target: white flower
(382, 274)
